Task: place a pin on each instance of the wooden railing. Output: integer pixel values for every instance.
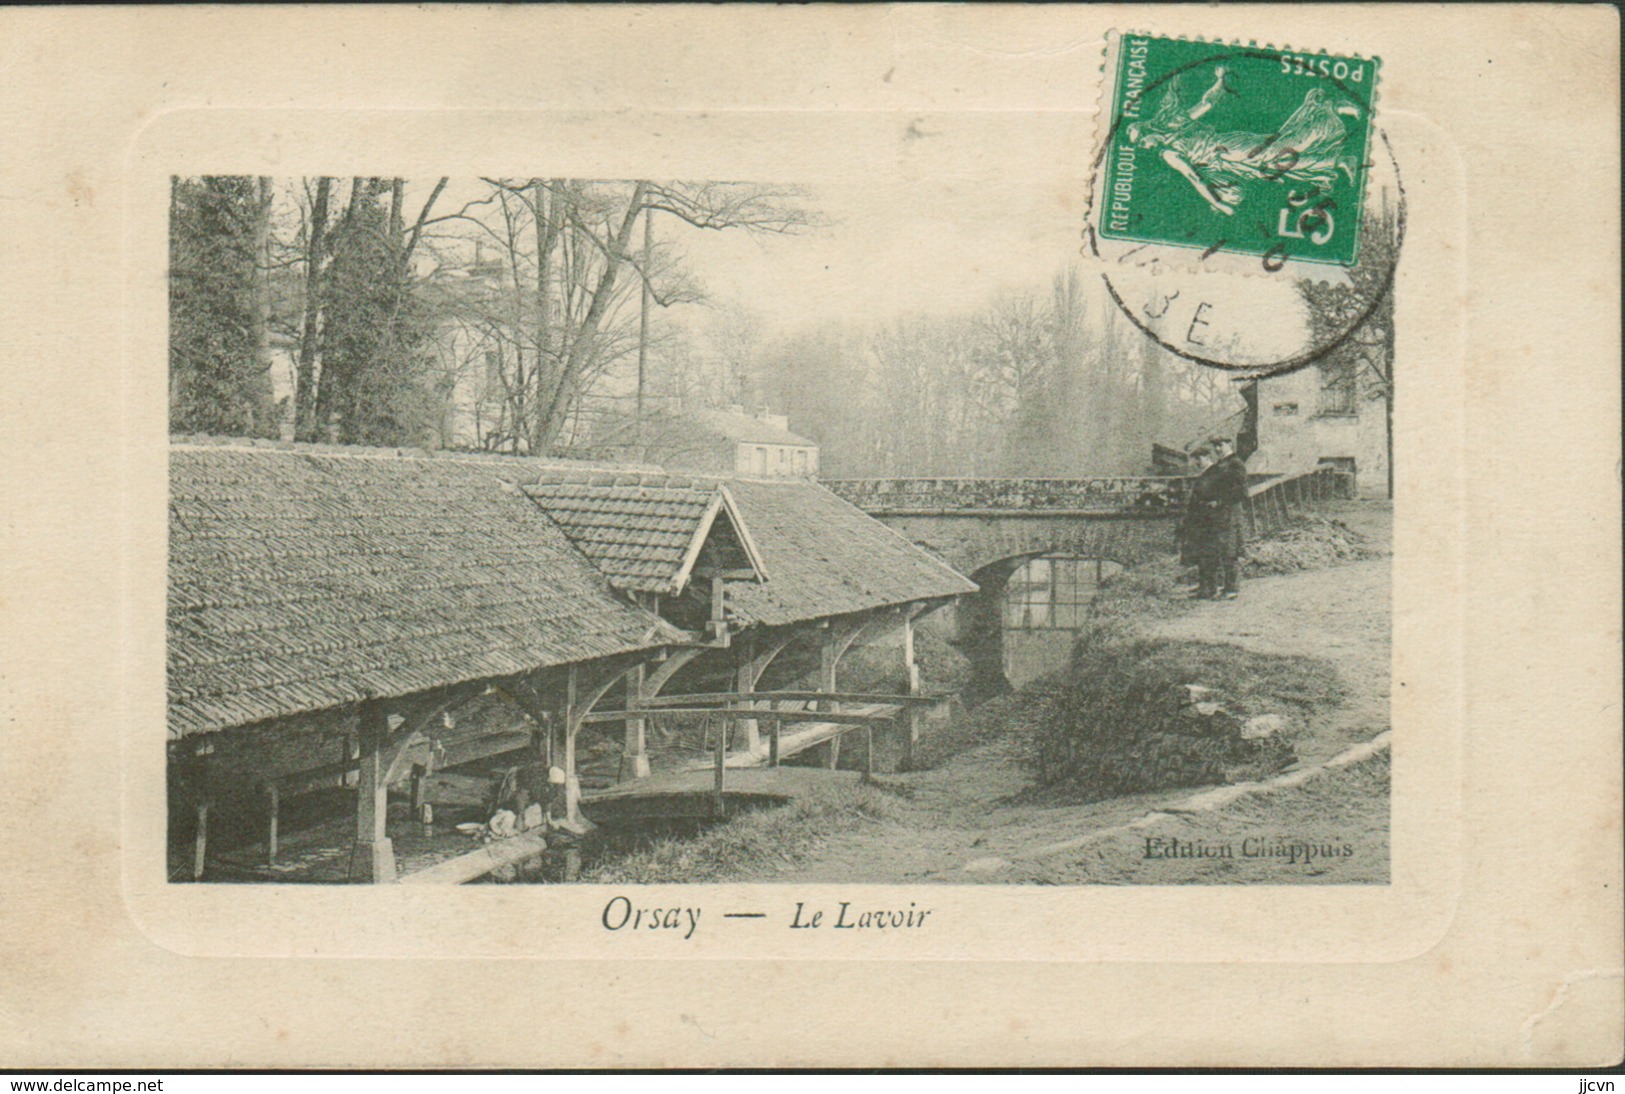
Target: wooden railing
(775, 717)
(1272, 504)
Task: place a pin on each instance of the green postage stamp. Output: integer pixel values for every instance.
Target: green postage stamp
(1238, 148)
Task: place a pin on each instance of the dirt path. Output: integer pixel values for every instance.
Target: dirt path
(966, 811)
(1340, 614)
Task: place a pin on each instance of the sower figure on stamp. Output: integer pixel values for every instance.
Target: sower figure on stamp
(1308, 147)
(1211, 533)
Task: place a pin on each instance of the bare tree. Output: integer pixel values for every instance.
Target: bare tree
(558, 316)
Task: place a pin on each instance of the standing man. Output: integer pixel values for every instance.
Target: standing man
(1212, 528)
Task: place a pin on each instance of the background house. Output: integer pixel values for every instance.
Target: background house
(1328, 415)
(721, 442)
(1334, 414)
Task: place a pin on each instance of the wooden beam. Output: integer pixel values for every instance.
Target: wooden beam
(200, 841)
(719, 622)
(635, 751)
(578, 701)
(829, 658)
(572, 724)
(842, 718)
(661, 676)
(374, 856)
(911, 727)
(272, 819)
(414, 728)
(702, 698)
(769, 648)
(745, 679)
(848, 635)
(721, 805)
(476, 864)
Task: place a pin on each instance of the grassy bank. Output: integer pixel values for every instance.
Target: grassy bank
(752, 845)
(1342, 815)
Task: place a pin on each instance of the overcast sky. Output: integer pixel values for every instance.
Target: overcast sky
(891, 249)
(926, 214)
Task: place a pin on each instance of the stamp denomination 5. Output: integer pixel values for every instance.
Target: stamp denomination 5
(1251, 150)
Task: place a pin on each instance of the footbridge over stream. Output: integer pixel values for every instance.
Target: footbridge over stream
(988, 528)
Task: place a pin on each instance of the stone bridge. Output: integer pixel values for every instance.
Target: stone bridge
(987, 527)
(973, 523)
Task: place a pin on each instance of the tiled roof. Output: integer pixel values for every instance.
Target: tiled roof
(822, 556)
(644, 538)
(825, 557)
(301, 580)
(747, 429)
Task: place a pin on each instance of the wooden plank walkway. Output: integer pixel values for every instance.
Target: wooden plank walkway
(795, 738)
(690, 790)
(691, 794)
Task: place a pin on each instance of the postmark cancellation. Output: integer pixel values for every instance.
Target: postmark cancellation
(1249, 149)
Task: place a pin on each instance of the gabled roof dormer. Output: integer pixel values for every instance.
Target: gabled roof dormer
(652, 537)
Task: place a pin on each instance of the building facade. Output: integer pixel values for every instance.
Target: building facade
(1328, 416)
(716, 442)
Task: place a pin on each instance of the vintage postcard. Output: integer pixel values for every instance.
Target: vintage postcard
(1021, 490)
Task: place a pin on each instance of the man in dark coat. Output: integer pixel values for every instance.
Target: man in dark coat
(1212, 530)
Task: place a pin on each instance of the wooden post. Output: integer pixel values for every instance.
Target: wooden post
(200, 844)
(719, 624)
(538, 759)
(635, 753)
(722, 766)
(773, 728)
(910, 726)
(374, 857)
(868, 753)
(572, 723)
(418, 773)
(745, 680)
(349, 749)
(828, 657)
(271, 827)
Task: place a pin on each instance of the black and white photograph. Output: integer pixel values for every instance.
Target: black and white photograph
(542, 530)
(700, 538)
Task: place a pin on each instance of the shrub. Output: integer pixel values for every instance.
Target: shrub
(1125, 720)
(1310, 542)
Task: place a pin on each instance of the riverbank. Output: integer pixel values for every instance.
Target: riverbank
(978, 815)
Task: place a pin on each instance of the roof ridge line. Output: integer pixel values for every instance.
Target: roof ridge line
(202, 442)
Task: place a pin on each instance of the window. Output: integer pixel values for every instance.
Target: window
(1338, 384)
(801, 461)
(1053, 593)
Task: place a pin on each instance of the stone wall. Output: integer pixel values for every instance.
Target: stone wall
(880, 497)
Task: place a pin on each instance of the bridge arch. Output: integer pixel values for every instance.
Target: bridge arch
(987, 633)
(987, 528)
(970, 544)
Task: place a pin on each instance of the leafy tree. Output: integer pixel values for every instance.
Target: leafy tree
(1357, 319)
(219, 380)
(377, 365)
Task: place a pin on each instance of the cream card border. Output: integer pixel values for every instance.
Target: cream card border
(1496, 941)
